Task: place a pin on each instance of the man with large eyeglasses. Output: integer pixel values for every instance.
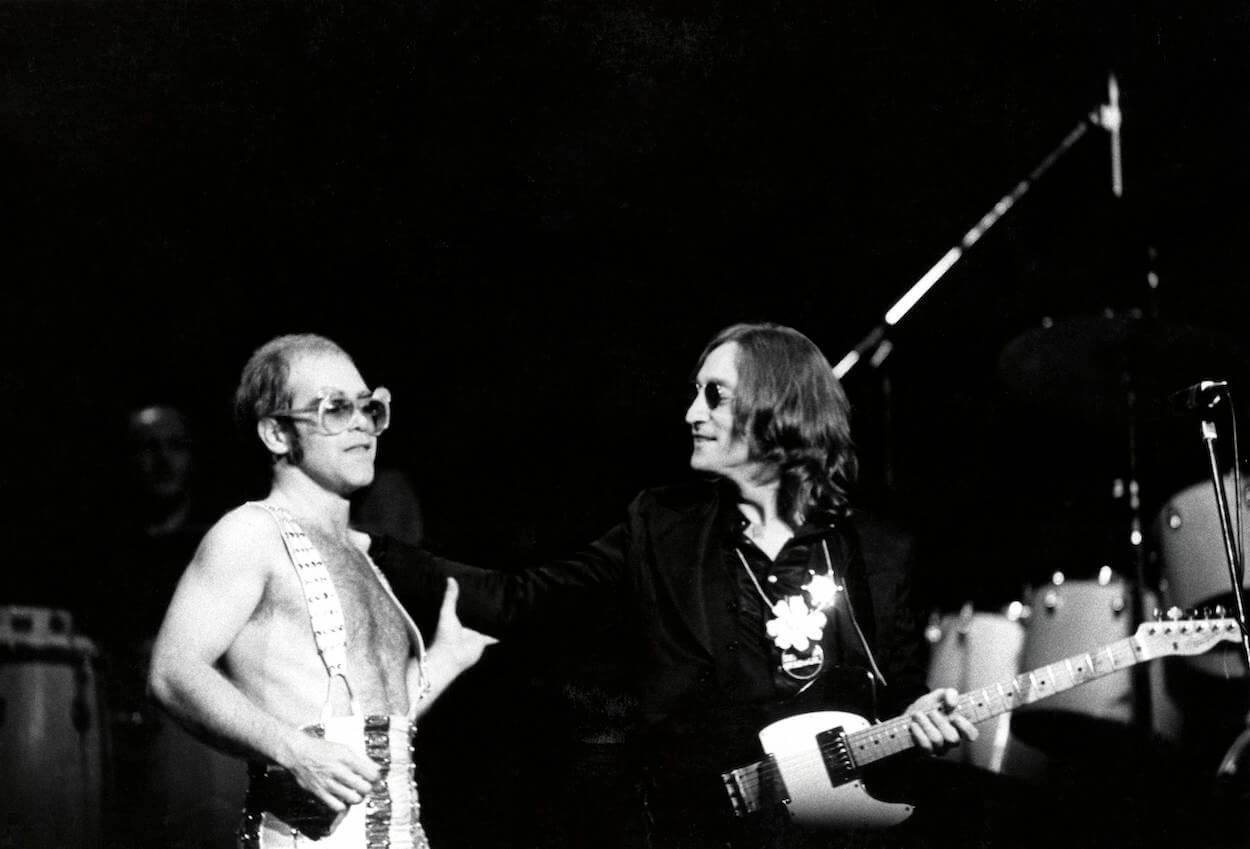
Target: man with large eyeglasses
(283, 643)
(746, 601)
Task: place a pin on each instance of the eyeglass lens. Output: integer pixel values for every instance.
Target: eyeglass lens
(713, 393)
(337, 414)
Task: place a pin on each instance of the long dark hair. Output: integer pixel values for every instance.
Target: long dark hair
(794, 414)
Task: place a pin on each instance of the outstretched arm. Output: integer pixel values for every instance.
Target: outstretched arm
(216, 597)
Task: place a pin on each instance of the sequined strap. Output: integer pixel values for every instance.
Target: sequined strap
(324, 610)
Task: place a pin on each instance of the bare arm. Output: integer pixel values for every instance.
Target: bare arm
(215, 599)
(455, 649)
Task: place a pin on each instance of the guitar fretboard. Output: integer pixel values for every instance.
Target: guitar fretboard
(893, 736)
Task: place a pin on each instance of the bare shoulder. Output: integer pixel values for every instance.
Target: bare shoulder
(246, 538)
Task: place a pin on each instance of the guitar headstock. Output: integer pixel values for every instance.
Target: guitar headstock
(1185, 636)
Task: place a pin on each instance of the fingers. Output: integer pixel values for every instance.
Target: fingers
(335, 792)
(451, 595)
(364, 772)
(330, 800)
(932, 731)
(351, 782)
(935, 724)
(336, 774)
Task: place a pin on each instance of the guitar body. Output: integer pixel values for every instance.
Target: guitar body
(815, 802)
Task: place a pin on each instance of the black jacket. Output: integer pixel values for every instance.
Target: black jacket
(664, 569)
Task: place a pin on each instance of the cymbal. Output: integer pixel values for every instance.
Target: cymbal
(1102, 367)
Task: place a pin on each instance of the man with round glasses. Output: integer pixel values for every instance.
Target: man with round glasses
(747, 601)
(283, 643)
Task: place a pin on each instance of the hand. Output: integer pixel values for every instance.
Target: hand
(334, 773)
(457, 645)
(934, 724)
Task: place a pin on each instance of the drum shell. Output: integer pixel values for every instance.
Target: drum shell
(970, 650)
(53, 747)
(1077, 618)
(1194, 568)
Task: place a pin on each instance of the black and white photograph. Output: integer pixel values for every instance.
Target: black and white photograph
(625, 425)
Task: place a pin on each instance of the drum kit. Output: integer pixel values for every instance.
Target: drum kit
(1115, 373)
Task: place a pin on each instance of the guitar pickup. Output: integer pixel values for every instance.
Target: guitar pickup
(754, 787)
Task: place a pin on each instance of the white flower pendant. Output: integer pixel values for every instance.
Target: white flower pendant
(795, 625)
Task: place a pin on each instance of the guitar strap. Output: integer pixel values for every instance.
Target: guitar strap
(850, 608)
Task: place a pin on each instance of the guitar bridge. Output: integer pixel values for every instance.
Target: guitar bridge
(755, 786)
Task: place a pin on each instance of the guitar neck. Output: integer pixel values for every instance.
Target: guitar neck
(894, 735)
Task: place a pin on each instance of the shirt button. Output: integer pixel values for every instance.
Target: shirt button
(772, 579)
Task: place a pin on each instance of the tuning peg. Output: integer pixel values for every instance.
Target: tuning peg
(1220, 611)
(1174, 613)
(1157, 614)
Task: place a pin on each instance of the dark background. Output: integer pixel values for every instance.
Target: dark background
(526, 218)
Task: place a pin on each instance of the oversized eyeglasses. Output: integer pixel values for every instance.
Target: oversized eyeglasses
(334, 412)
(713, 394)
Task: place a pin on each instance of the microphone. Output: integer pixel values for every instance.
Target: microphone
(1201, 396)
(1110, 118)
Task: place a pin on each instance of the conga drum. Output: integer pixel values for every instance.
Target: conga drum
(53, 736)
(969, 650)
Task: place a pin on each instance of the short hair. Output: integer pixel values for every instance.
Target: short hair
(264, 386)
(793, 412)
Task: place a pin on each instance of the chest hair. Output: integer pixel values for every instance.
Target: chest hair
(375, 629)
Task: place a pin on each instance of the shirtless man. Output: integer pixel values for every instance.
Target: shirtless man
(236, 660)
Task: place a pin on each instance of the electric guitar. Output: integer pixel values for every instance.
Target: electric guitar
(814, 759)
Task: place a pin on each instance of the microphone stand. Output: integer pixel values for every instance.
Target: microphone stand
(1107, 116)
(1235, 566)
(1229, 765)
(875, 345)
